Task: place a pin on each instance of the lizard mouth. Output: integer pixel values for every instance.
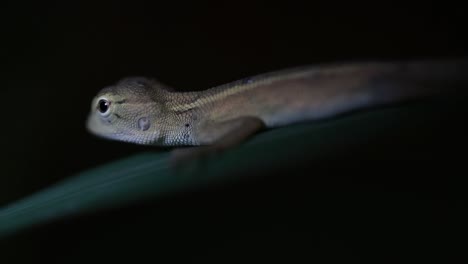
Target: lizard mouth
(122, 135)
(96, 126)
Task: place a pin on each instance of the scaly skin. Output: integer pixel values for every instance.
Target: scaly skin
(144, 111)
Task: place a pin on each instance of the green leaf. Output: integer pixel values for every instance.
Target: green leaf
(149, 176)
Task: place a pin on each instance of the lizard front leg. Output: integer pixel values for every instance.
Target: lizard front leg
(217, 137)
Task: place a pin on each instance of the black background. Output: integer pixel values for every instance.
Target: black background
(56, 56)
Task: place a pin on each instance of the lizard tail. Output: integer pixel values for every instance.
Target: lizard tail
(419, 79)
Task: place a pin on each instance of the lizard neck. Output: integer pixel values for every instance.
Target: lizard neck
(175, 128)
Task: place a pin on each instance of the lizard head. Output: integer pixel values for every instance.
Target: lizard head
(126, 111)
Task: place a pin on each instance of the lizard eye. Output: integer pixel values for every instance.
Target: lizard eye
(103, 106)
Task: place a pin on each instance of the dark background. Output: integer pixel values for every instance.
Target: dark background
(56, 56)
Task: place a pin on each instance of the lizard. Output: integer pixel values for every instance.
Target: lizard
(143, 110)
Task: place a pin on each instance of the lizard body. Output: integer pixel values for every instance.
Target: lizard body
(143, 111)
